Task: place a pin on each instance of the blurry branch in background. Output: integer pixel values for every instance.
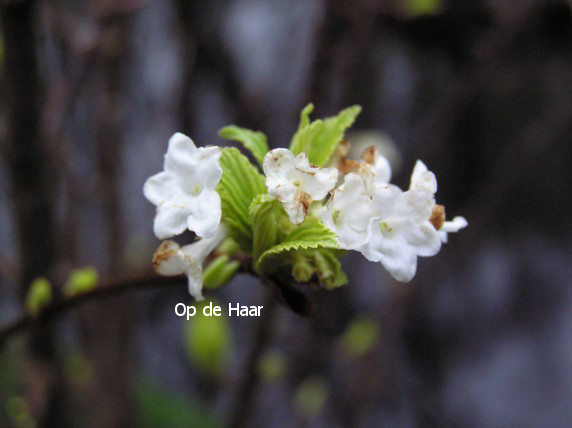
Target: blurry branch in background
(293, 298)
(105, 290)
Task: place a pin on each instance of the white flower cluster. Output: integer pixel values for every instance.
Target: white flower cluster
(383, 222)
(367, 213)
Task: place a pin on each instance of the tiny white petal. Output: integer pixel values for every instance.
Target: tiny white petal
(452, 226)
(455, 225)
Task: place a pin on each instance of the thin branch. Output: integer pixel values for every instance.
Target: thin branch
(110, 289)
(283, 291)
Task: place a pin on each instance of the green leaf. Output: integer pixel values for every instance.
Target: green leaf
(228, 246)
(255, 141)
(219, 272)
(208, 340)
(81, 280)
(359, 338)
(39, 295)
(267, 216)
(310, 234)
(305, 116)
(323, 263)
(320, 138)
(239, 185)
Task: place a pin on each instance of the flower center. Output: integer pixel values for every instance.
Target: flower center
(385, 228)
(336, 214)
(197, 190)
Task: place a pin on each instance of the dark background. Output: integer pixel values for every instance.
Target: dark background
(481, 90)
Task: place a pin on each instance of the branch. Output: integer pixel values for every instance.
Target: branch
(110, 289)
(286, 293)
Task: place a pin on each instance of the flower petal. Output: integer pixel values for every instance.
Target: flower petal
(160, 187)
(205, 213)
(170, 220)
(348, 213)
(422, 178)
(424, 239)
(391, 249)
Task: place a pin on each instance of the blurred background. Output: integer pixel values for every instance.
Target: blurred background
(481, 90)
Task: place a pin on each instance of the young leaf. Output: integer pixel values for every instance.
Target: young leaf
(255, 141)
(39, 295)
(219, 272)
(310, 234)
(319, 139)
(239, 185)
(305, 116)
(323, 263)
(80, 281)
(266, 214)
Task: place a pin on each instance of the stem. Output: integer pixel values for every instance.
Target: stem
(244, 394)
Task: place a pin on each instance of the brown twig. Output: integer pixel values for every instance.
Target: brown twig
(113, 288)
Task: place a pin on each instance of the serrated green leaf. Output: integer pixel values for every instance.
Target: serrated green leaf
(323, 263)
(239, 185)
(320, 138)
(310, 234)
(208, 340)
(255, 141)
(39, 295)
(81, 280)
(219, 272)
(266, 214)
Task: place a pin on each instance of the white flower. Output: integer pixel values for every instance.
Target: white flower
(295, 182)
(185, 191)
(423, 179)
(348, 213)
(399, 231)
(170, 260)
